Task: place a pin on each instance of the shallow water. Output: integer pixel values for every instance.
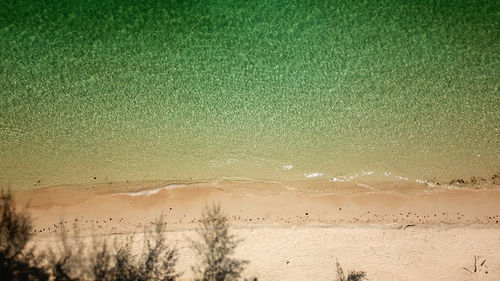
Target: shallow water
(280, 91)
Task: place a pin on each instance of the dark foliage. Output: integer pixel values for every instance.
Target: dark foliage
(352, 276)
(17, 261)
(108, 263)
(216, 249)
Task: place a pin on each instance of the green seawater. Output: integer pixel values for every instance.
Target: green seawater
(264, 90)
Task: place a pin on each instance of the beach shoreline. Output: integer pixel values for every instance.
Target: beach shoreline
(290, 235)
(263, 203)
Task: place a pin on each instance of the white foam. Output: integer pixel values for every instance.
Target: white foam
(153, 191)
(343, 179)
(287, 167)
(148, 192)
(366, 186)
(313, 175)
(421, 181)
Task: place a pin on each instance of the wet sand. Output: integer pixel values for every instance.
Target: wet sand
(291, 235)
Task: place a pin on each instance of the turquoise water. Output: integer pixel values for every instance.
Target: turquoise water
(266, 90)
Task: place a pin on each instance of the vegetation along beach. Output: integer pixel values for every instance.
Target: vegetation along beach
(244, 140)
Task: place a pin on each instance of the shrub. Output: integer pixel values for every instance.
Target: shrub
(216, 248)
(108, 263)
(352, 276)
(17, 261)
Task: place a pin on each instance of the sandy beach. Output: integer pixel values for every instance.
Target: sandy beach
(290, 235)
(366, 132)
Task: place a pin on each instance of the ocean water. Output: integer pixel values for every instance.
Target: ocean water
(110, 91)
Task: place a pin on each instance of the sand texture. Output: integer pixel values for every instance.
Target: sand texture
(289, 235)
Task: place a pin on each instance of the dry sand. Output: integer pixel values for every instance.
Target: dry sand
(290, 235)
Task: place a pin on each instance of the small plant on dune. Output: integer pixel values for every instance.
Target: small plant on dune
(17, 261)
(118, 262)
(351, 276)
(216, 248)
